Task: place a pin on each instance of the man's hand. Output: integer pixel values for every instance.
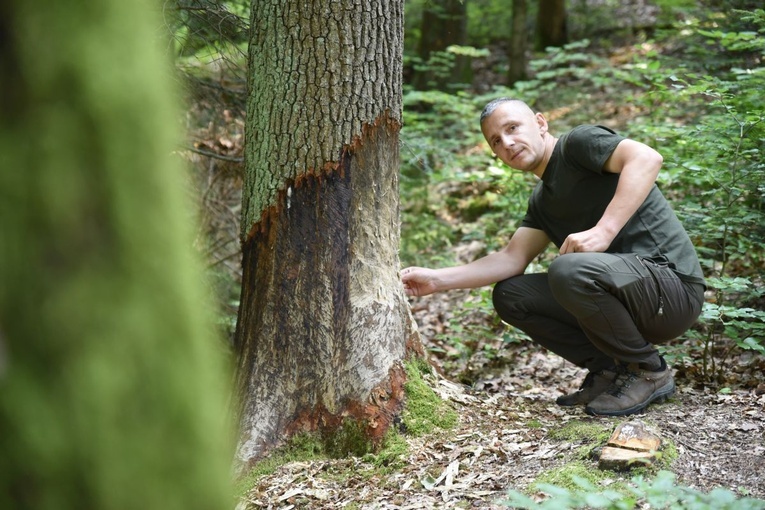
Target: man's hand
(419, 281)
(596, 239)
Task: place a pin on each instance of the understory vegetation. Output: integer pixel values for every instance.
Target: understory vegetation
(690, 86)
(706, 117)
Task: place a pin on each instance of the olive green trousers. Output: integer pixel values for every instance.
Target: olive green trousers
(598, 309)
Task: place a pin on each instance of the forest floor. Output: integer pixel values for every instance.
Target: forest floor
(511, 435)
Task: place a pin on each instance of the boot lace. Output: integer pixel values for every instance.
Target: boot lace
(622, 383)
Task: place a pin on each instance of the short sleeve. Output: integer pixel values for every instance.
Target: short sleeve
(589, 147)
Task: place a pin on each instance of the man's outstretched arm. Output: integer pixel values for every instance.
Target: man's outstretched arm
(512, 260)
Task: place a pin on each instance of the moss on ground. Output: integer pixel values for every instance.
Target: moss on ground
(300, 448)
(424, 410)
(582, 430)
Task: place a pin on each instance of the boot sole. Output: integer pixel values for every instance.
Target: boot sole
(571, 404)
(568, 403)
(657, 396)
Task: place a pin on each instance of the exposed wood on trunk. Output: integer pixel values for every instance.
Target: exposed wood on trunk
(323, 322)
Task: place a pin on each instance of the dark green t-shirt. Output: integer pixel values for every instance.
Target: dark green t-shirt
(575, 191)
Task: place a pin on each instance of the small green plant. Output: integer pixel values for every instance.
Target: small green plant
(565, 71)
(660, 492)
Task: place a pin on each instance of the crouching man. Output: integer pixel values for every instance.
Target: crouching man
(627, 278)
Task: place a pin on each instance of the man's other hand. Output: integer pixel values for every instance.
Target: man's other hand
(595, 239)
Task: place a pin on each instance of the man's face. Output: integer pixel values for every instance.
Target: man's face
(515, 135)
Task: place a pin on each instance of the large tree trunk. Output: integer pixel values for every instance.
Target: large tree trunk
(112, 390)
(444, 23)
(518, 39)
(551, 24)
(323, 322)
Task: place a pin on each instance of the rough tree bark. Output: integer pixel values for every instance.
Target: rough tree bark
(112, 384)
(551, 24)
(518, 46)
(323, 323)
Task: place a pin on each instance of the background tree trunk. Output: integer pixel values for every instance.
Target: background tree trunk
(323, 322)
(112, 391)
(518, 46)
(551, 24)
(444, 23)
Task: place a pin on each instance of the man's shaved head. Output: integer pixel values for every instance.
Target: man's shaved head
(494, 104)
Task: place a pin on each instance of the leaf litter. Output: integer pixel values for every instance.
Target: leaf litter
(503, 440)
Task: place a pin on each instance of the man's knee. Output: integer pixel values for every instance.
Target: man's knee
(564, 272)
(505, 297)
(503, 292)
(567, 266)
(517, 297)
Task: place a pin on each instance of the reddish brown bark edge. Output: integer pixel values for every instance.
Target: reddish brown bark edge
(374, 417)
(329, 168)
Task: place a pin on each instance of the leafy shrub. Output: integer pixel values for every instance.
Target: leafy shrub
(661, 492)
(716, 172)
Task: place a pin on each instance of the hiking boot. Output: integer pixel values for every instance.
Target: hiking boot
(632, 391)
(594, 384)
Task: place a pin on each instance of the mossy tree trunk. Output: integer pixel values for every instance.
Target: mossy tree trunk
(323, 322)
(112, 385)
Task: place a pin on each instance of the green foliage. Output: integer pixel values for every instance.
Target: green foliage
(439, 68)
(571, 63)
(438, 128)
(660, 492)
(489, 21)
(717, 161)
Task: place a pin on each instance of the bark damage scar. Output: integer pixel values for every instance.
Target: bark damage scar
(329, 168)
(375, 415)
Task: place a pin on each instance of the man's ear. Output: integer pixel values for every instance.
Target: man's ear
(542, 122)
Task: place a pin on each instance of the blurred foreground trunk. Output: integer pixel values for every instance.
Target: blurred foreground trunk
(112, 386)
